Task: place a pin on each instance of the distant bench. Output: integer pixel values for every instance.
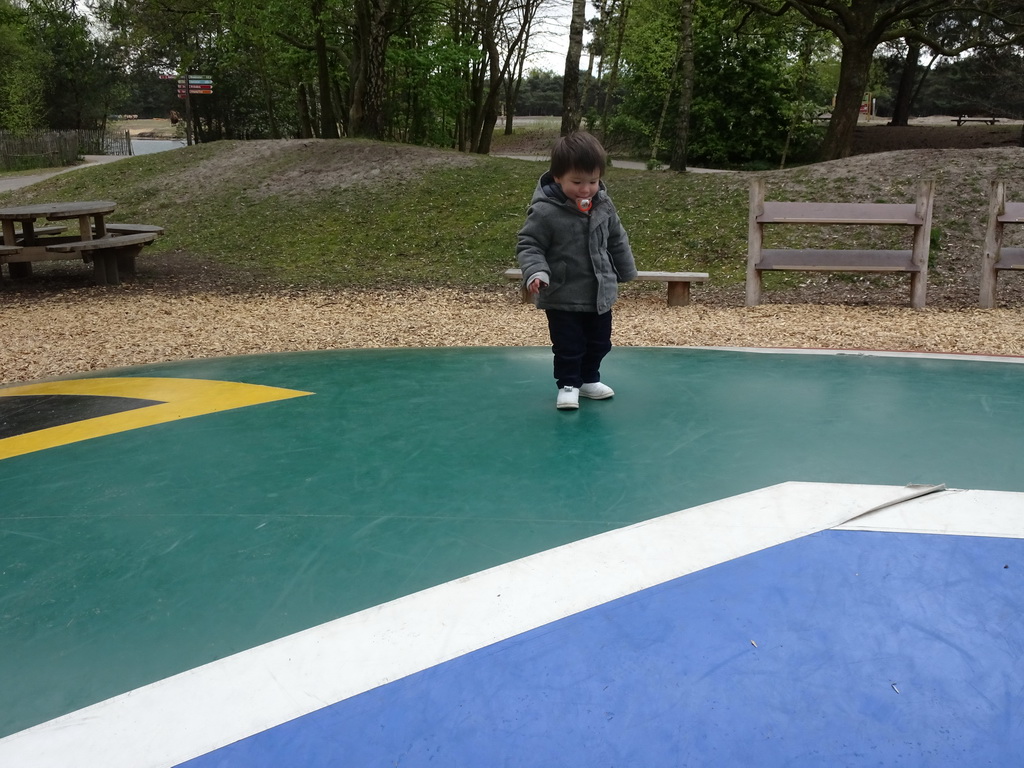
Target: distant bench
(914, 262)
(678, 284)
(961, 119)
(995, 258)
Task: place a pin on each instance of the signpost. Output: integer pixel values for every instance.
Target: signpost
(189, 86)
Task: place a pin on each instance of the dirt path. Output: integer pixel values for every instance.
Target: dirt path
(8, 183)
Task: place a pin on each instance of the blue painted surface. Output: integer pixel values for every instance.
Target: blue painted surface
(871, 649)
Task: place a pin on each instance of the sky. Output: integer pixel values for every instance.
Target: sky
(550, 41)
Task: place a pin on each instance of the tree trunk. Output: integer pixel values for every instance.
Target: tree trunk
(599, 33)
(571, 77)
(499, 68)
(328, 124)
(905, 92)
(189, 124)
(342, 107)
(803, 70)
(268, 93)
(368, 115)
(613, 74)
(497, 75)
(513, 86)
(305, 125)
(686, 67)
(673, 81)
(853, 79)
(375, 108)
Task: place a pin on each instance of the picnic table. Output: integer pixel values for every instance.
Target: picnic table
(111, 248)
(961, 119)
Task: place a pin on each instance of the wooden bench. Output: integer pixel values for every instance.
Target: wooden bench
(132, 229)
(678, 284)
(56, 229)
(917, 216)
(961, 119)
(111, 256)
(995, 258)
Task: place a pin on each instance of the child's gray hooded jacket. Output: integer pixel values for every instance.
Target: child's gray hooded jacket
(581, 257)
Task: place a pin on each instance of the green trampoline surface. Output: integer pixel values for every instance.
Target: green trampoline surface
(136, 555)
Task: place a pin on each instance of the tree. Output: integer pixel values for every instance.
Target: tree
(685, 67)
(746, 86)
(501, 29)
(541, 94)
(861, 26)
(571, 113)
(82, 75)
(21, 104)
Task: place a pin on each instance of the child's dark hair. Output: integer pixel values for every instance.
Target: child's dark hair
(578, 151)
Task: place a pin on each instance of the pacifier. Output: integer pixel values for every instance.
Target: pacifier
(584, 204)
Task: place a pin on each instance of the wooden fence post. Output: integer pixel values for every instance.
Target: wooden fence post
(755, 240)
(993, 244)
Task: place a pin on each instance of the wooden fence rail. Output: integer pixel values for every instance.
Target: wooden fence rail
(50, 149)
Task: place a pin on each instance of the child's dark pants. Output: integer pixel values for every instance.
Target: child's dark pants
(580, 340)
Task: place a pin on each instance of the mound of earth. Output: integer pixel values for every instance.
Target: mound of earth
(208, 310)
(934, 133)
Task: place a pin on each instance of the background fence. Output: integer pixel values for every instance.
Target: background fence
(51, 149)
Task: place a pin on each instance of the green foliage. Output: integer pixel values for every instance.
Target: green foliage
(428, 89)
(541, 94)
(752, 98)
(987, 83)
(21, 66)
(79, 74)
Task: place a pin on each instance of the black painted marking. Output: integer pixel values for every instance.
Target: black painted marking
(21, 414)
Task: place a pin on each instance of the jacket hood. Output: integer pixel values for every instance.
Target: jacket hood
(548, 190)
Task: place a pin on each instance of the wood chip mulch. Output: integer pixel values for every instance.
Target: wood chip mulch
(50, 335)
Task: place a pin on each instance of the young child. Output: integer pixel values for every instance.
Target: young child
(573, 252)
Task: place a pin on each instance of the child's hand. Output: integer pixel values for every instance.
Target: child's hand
(535, 285)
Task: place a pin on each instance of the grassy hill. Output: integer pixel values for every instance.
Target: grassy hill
(357, 213)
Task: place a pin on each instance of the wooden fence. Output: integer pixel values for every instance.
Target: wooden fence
(51, 149)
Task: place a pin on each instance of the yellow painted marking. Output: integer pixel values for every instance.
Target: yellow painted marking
(179, 399)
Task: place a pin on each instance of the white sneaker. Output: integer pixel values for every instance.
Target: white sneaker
(568, 399)
(596, 391)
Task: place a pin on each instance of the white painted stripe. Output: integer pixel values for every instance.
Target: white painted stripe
(953, 512)
(214, 705)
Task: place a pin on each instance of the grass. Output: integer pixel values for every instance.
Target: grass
(455, 226)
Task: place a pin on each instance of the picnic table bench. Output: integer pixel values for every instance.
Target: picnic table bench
(132, 229)
(995, 256)
(112, 255)
(917, 216)
(111, 249)
(961, 119)
(678, 284)
(56, 229)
